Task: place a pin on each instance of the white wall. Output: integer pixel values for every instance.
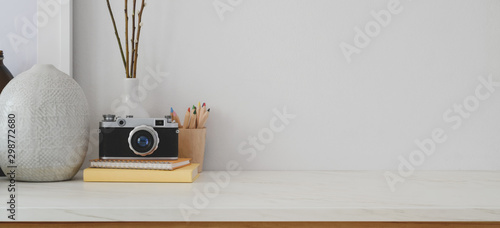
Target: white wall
(266, 55)
(18, 31)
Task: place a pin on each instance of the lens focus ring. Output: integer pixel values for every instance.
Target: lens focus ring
(143, 140)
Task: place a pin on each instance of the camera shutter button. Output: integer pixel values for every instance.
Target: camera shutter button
(109, 117)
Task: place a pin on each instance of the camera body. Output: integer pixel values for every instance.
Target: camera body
(138, 138)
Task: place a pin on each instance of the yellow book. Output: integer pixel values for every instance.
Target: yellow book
(185, 174)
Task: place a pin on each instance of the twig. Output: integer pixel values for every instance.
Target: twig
(132, 70)
(126, 38)
(116, 33)
(138, 36)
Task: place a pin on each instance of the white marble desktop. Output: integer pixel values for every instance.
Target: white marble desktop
(267, 196)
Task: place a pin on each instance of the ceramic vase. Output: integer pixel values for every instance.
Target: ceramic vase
(132, 94)
(51, 125)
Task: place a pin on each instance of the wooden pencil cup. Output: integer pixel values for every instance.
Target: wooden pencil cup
(192, 145)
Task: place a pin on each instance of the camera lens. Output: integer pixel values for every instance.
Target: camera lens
(143, 140)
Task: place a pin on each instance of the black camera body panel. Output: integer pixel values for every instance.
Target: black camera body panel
(113, 143)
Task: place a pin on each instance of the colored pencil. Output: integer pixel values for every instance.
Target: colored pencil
(192, 121)
(198, 116)
(176, 118)
(186, 119)
(203, 120)
(202, 111)
(193, 110)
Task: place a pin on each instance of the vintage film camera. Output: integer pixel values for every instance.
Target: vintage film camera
(138, 138)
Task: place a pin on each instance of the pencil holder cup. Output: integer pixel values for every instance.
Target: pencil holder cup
(192, 145)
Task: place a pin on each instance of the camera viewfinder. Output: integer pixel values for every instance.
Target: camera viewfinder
(159, 123)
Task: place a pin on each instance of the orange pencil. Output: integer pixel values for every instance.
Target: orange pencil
(186, 119)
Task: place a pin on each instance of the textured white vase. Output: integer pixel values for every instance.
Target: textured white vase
(51, 115)
(132, 99)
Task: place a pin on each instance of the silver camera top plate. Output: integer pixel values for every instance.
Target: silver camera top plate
(134, 122)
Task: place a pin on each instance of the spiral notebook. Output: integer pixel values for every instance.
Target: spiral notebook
(140, 164)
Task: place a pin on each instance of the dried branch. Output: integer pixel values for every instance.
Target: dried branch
(126, 38)
(138, 36)
(132, 70)
(116, 33)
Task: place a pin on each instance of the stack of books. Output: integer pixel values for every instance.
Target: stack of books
(164, 171)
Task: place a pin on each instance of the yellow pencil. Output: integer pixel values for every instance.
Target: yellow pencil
(186, 119)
